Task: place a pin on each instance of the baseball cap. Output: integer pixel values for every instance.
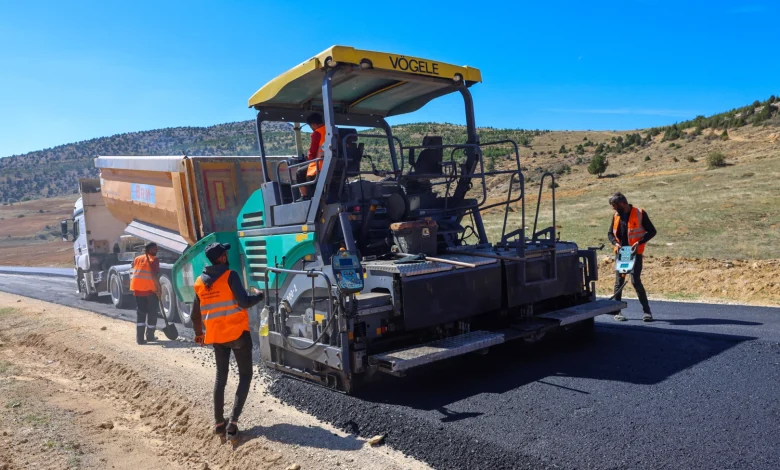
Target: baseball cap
(215, 250)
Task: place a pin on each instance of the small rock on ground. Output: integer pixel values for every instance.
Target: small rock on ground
(376, 440)
(294, 466)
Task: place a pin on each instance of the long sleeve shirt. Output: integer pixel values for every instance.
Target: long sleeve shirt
(243, 299)
(623, 229)
(314, 146)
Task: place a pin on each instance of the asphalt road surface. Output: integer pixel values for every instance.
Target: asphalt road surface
(698, 388)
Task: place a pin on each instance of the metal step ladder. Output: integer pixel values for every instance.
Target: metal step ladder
(397, 362)
(567, 316)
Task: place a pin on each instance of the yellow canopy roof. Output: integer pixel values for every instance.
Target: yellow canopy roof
(378, 83)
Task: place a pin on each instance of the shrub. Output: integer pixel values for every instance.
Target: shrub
(716, 160)
(560, 169)
(672, 145)
(647, 158)
(598, 165)
(690, 159)
(579, 161)
(674, 159)
(725, 135)
(563, 149)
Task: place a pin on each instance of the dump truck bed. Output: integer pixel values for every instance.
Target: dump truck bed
(175, 200)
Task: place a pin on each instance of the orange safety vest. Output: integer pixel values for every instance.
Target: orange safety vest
(223, 319)
(143, 278)
(315, 167)
(635, 229)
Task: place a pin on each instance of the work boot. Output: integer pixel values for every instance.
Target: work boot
(620, 317)
(139, 335)
(648, 317)
(219, 428)
(232, 431)
(150, 335)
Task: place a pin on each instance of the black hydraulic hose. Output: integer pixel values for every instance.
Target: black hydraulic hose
(316, 341)
(621, 287)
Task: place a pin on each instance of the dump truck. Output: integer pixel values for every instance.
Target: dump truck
(383, 264)
(137, 201)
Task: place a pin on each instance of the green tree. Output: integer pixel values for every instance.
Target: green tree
(725, 135)
(598, 165)
(563, 149)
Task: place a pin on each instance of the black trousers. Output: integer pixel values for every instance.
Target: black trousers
(146, 310)
(242, 350)
(300, 178)
(636, 281)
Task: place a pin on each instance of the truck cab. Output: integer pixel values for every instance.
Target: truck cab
(103, 252)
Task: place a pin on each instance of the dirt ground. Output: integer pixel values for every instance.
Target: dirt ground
(735, 281)
(77, 392)
(30, 233)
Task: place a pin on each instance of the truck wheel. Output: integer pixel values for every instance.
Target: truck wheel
(185, 311)
(84, 288)
(168, 299)
(118, 296)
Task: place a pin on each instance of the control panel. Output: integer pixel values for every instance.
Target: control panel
(348, 272)
(625, 260)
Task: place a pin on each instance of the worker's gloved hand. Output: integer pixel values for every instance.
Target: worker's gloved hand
(200, 339)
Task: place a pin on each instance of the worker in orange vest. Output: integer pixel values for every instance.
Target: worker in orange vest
(316, 150)
(631, 226)
(220, 306)
(145, 285)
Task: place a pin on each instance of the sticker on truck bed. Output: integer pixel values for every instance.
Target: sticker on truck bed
(142, 193)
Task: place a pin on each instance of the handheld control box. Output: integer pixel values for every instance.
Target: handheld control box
(348, 272)
(624, 263)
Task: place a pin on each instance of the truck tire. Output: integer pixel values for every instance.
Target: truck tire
(119, 297)
(185, 310)
(84, 292)
(168, 299)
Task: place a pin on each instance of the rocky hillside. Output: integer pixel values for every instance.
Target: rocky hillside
(54, 172)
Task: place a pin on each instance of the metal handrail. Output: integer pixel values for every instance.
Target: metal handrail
(539, 202)
(310, 273)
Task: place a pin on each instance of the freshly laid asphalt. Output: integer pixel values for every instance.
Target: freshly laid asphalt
(698, 388)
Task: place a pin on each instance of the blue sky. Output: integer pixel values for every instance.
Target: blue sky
(71, 71)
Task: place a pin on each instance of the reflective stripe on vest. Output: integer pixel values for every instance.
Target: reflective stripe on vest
(143, 278)
(223, 319)
(634, 228)
(315, 167)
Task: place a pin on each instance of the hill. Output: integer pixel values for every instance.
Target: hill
(53, 172)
